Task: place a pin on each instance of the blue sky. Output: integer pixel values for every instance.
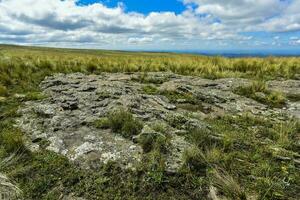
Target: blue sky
(142, 6)
(204, 25)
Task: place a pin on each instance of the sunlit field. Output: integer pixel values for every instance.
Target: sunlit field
(252, 160)
(25, 66)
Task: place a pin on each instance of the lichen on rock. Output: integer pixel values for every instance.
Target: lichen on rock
(75, 101)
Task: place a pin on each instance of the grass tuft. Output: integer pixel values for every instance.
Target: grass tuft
(102, 123)
(123, 122)
(150, 89)
(12, 141)
(195, 160)
(227, 185)
(259, 91)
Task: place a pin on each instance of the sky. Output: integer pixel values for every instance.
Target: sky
(194, 25)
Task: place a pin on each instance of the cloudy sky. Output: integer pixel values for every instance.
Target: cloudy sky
(152, 24)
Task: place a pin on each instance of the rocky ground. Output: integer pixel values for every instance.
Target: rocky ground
(63, 122)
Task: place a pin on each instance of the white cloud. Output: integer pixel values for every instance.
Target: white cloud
(140, 40)
(295, 42)
(220, 22)
(253, 15)
(65, 21)
(288, 20)
(276, 38)
(247, 11)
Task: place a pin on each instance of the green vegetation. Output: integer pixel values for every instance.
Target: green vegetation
(195, 160)
(173, 96)
(259, 92)
(31, 96)
(158, 140)
(102, 123)
(122, 122)
(3, 90)
(25, 67)
(150, 89)
(12, 141)
(227, 185)
(145, 78)
(242, 156)
(245, 156)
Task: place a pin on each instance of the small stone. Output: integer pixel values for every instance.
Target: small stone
(146, 132)
(85, 148)
(56, 144)
(164, 102)
(44, 110)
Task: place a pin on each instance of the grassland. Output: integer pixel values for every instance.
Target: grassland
(242, 164)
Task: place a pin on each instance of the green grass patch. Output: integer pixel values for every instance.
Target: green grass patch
(247, 153)
(12, 141)
(47, 175)
(145, 78)
(34, 96)
(3, 91)
(102, 123)
(150, 89)
(195, 160)
(259, 92)
(122, 122)
(174, 96)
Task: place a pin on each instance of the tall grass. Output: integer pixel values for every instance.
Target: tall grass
(25, 66)
(245, 154)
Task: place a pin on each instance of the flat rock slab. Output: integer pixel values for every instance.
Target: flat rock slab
(74, 101)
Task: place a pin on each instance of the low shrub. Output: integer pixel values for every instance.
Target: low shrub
(155, 141)
(123, 122)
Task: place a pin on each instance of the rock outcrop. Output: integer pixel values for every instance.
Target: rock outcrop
(64, 120)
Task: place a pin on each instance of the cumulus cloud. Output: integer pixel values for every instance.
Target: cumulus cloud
(67, 22)
(240, 11)
(295, 41)
(140, 40)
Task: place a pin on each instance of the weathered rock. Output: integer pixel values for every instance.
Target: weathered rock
(175, 160)
(75, 101)
(148, 132)
(45, 110)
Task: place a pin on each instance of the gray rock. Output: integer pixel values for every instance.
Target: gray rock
(45, 110)
(75, 101)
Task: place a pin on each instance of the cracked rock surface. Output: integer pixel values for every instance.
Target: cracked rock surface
(74, 101)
